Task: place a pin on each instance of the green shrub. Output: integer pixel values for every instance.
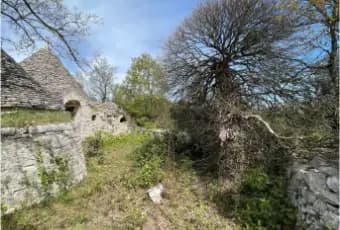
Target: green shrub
(151, 172)
(93, 145)
(149, 160)
(263, 202)
(151, 148)
(255, 181)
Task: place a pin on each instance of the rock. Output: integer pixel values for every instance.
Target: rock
(330, 171)
(330, 220)
(155, 193)
(316, 181)
(314, 190)
(333, 184)
(330, 198)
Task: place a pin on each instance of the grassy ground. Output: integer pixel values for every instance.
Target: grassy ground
(107, 199)
(25, 117)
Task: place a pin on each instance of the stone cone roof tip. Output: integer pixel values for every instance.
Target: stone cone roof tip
(19, 89)
(46, 68)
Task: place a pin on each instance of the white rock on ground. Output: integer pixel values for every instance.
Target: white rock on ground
(155, 193)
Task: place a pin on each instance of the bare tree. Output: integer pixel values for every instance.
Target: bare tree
(228, 50)
(101, 79)
(46, 21)
(229, 54)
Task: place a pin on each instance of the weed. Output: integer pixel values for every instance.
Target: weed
(149, 159)
(261, 203)
(114, 205)
(25, 117)
(3, 208)
(93, 145)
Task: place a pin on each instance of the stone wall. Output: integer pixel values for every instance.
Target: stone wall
(314, 190)
(37, 162)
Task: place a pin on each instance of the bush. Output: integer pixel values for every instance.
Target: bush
(151, 172)
(93, 145)
(149, 160)
(263, 202)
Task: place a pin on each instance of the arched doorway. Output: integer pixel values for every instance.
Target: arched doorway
(72, 106)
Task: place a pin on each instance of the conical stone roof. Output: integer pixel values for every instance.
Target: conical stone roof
(18, 89)
(46, 68)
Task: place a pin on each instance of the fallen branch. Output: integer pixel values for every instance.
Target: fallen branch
(266, 124)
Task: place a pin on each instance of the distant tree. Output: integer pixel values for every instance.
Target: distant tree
(320, 19)
(146, 76)
(142, 93)
(317, 37)
(49, 21)
(101, 79)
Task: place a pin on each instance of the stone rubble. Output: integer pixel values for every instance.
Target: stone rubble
(314, 190)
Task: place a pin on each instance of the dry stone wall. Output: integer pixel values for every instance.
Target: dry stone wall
(314, 190)
(38, 162)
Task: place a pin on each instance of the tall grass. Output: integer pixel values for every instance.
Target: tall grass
(25, 117)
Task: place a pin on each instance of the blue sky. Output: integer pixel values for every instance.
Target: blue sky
(129, 28)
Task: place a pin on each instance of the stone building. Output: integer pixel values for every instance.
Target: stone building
(50, 85)
(40, 161)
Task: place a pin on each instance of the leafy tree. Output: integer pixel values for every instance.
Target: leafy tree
(48, 21)
(142, 93)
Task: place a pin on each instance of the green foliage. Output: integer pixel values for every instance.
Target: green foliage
(104, 190)
(93, 145)
(60, 175)
(45, 178)
(149, 159)
(255, 180)
(151, 172)
(26, 117)
(3, 208)
(38, 153)
(142, 94)
(262, 202)
(133, 138)
(150, 149)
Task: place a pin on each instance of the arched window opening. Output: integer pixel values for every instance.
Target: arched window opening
(93, 118)
(72, 106)
(122, 119)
